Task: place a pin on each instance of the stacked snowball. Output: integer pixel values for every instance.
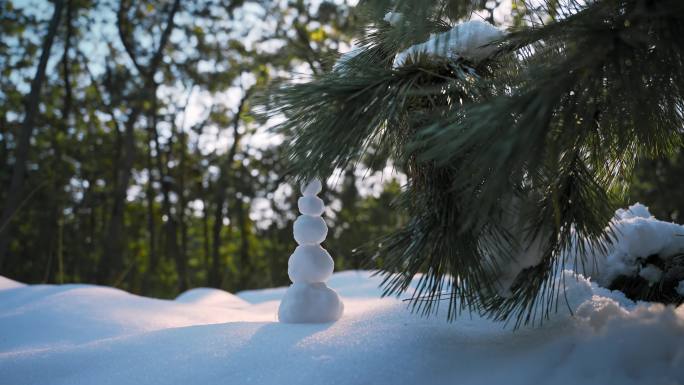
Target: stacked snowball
(309, 299)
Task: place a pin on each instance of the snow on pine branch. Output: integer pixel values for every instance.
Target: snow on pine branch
(638, 236)
(472, 40)
(393, 18)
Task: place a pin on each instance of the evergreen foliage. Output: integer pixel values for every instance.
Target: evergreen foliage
(528, 151)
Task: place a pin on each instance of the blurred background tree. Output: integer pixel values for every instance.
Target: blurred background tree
(659, 185)
(130, 154)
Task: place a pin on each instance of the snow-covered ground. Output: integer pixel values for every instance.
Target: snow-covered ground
(92, 335)
(84, 334)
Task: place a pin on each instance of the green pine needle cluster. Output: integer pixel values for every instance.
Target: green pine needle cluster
(530, 148)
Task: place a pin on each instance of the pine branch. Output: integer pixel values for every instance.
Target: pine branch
(515, 163)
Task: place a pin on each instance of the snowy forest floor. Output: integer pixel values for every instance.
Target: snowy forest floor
(84, 334)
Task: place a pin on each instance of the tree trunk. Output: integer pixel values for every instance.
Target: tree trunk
(151, 225)
(112, 259)
(245, 265)
(4, 151)
(49, 244)
(182, 205)
(220, 192)
(111, 263)
(215, 274)
(205, 239)
(171, 248)
(14, 193)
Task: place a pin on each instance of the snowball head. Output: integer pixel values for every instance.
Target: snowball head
(310, 264)
(310, 230)
(310, 303)
(311, 205)
(312, 188)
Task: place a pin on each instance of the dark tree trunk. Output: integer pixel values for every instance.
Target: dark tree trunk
(49, 242)
(171, 248)
(151, 225)
(216, 265)
(15, 191)
(245, 265)
(182, 205)
(205, 240)
(220, 193)
(111, 263)
(112, 258)
(4, 129)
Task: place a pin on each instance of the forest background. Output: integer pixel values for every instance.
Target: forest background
(132, 152)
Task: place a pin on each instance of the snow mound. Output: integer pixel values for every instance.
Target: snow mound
(82, 334)
(637, 236)
(51, 316)
(208, 296)
(6, 283)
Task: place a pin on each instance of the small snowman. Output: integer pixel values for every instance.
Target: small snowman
(309, 299)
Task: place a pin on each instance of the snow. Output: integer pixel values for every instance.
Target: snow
(6, 283)
(393, 18)
(309, 299)
(312, 188)
(211, 297)
(310, 264)
(53, 316)
(310, 230)
(636, 210)
(83, 334)
(311, 205)
(471, 40)
(531, 249)
(637, 236)
(651, 273)
(310, 303)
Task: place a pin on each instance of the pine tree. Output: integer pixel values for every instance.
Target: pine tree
(516, 156)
